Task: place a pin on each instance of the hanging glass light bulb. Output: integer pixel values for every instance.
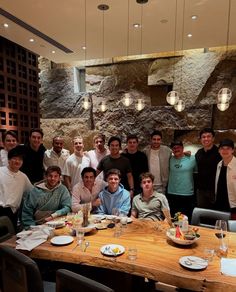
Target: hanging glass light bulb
(223, 106)
(103, 106)
(179, 106)
(140, 104)
(127, 100)
(86, 102)
(172, 97)
(224, 95)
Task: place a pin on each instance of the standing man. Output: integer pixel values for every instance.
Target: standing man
(10, 141)
(158, 160)
(96, 155)
(87, 190)
(47, 200)
(181, 184)
(57, 155)
(149, 204)
(33, 158)
(137, 159)
(207, 159)
(225, 182)
(13, 184)
(116, 161)
(114, 195)
(74, 164)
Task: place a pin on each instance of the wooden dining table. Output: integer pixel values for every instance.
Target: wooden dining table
(157, 256)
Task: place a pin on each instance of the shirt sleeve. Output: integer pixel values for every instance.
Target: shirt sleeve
(125, 206)
(75, 199)
(28, 211)
(65, 204)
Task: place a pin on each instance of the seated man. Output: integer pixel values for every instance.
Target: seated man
(150, 204)
(114, 195)
(87, 190)
(13, 184)
(47, 200)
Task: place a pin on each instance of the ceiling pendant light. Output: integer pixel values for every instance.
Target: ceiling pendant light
(86, 102)
(140, 104)
(179, 106)
(224, 95)
(172, 97)
(223, 106)
(127, 100)
(103, 106)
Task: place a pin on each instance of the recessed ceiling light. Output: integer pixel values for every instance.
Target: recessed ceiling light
(136, 25)
(5, 25)
(84, 47)
(164, 21)
(194, 17)
(31, 40)
(190, 35)
(53, 52)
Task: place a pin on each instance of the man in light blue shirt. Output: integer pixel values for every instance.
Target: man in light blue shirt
(181, 183)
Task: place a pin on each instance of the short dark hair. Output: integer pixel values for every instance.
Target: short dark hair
(37, 130)
(146, 175)
(88, 169)
(113, 171)
(114, 138)
(11, 133)
(99, 135)
(207, 130)
(53, 168)
(156, 133)
(176, 143)
(18, 151)
(131, 136)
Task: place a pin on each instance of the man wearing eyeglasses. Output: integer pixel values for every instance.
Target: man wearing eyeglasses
(181, 184)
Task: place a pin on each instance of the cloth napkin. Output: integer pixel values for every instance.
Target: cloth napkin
(30, 240)
(228, 267)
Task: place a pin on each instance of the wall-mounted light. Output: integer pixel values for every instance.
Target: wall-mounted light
(127, 100)
(103, 106)
(223, 106)
(172, 97)
(224, 95)
(86, 102)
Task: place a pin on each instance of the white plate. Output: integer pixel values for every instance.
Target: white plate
(110, 217)
(193, 263)
(88, 228)
(109, 250)
(181, 241)
(101, 226)
(56, 224)
(62, 240)
(98, 217)
(129, 220)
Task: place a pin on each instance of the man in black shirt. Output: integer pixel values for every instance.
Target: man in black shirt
(137, 159)
(207, 159)
(33, 158)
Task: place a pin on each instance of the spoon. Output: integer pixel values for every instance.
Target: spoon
(86, 245)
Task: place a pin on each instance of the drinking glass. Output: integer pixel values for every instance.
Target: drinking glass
(132, 253)
(220, 233)
(115, 212)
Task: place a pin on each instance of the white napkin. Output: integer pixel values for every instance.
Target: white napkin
(31, 240)
(228, 267)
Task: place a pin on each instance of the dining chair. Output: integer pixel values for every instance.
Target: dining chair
(232, 225)
(20, 273)
(67, 281)
(207, 217)
(6, 228)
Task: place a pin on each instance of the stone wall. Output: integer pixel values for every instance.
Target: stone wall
(198, 76)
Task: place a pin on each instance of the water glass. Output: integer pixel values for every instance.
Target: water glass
(208, 254)
(132, 253)
(117, 230)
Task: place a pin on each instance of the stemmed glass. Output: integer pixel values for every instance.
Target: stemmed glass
(220, 232)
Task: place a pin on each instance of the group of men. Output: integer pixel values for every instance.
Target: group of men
(43, 184)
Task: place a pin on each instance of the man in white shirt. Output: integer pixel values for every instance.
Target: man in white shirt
(74, 164)
(158, 160)
(87, 190)
(13, 184)
(57, 155)
(99, 151)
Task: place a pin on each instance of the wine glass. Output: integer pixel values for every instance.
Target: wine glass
(220, 229)
(220, 232)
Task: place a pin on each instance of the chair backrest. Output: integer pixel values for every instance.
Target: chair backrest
(232, 225)
(207, 217)
(6, 228)
(67, 281)
(19, 272)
